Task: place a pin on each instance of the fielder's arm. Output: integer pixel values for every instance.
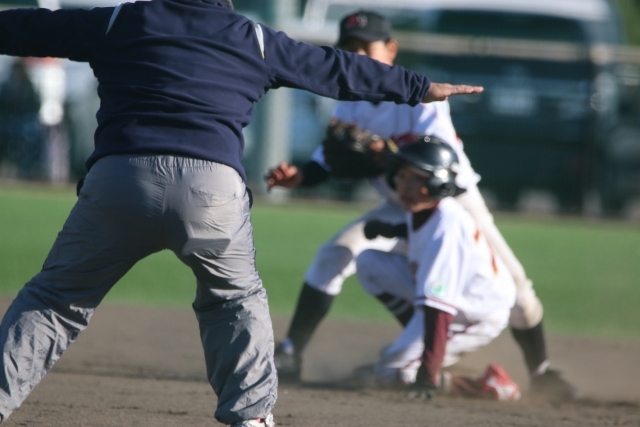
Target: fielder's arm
(290, 176)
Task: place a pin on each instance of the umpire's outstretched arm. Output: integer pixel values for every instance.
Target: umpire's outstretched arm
(350, 76)
(77, 35)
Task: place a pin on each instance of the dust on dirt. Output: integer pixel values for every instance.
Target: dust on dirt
(145, 367)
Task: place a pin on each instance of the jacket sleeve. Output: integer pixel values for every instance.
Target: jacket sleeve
(338, 74)
(73, 34)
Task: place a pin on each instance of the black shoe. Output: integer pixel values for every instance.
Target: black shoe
(289, 366)
(551, 384)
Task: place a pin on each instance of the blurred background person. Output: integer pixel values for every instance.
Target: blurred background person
(20, 129)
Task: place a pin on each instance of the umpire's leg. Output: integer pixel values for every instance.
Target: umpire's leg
(207, 211)
(108, 230)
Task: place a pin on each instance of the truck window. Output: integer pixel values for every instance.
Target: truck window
(478, 23)
(510, 25)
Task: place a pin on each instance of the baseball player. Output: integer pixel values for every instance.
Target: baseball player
(368, 33)
(177, 83)
(462, 291)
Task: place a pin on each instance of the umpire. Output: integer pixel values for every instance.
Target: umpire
(177, 83)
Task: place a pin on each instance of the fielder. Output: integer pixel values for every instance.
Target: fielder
(177, 83)
(369, 34)
(462, 291)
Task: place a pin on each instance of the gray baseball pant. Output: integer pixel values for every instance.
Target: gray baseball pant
(129, 208)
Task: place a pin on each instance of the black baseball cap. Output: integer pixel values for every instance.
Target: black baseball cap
(364, 25)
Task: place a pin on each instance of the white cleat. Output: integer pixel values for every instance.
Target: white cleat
(266, 422)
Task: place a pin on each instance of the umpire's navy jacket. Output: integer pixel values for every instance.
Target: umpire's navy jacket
(181, 76)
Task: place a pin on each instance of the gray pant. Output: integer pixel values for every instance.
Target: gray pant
(129, 208)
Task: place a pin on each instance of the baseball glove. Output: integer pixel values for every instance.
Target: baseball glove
(354, 153)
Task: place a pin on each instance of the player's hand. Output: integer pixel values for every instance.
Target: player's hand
(421, 390)
(372, 228)
(377, 146)
(442, 91)
(284, 175)
(375, 228)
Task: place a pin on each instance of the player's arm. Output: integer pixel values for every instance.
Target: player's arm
(375, 228)
(73, 34)
(437, 279)
(289, 176)
(313, 173)
(345, 75)
(436, 329)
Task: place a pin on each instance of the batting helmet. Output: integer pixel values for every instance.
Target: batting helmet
(432, 156)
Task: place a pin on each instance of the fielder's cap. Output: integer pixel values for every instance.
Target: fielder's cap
(364, 25)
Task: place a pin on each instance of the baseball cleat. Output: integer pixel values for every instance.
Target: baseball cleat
(497, 384)
(289, 366)
(258, 422)
(551, 384)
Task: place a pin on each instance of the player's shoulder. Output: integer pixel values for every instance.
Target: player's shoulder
(439, 109)
(438, 105)
(451, 215)
(449, 207)
(364, 111)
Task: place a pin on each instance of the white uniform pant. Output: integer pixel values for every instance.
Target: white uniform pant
(381, 272)
(334, 261)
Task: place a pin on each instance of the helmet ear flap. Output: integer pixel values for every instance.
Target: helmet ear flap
(441, 184)
(449, 189)
(437, 189)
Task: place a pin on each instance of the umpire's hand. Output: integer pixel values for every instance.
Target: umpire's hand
(442, 91)
(284, 175)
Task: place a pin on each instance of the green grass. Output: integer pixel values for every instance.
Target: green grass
(585, 272)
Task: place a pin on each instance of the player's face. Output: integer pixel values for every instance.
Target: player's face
(383, 51)
(413, 194)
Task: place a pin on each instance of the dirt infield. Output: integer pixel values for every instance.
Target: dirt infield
(144, 367)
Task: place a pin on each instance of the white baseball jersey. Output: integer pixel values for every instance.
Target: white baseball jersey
(390, 120)
(455, 268)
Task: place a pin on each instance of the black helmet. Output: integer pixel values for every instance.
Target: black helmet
(434, 157)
